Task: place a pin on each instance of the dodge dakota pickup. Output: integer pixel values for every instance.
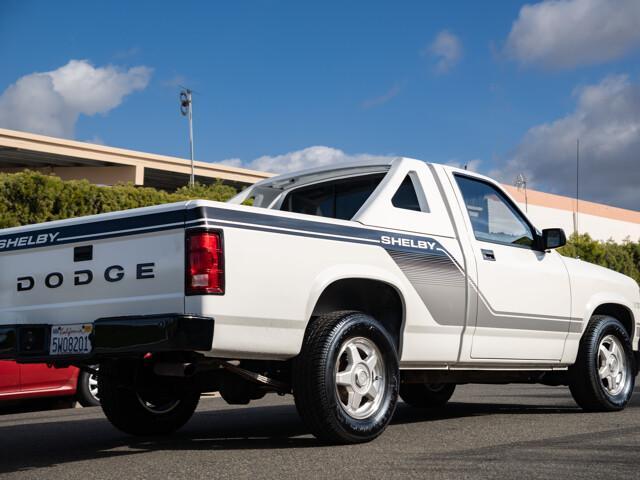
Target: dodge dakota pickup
(348, 286)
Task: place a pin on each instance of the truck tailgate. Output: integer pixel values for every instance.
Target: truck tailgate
(103, 272)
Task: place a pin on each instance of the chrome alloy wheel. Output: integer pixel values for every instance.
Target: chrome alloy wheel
(92, 383)
(360, 387)
(158, 406)
(612, 367)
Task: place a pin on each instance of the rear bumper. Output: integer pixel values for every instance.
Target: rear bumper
(113, 336)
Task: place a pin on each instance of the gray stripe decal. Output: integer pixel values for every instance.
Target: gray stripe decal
(488, 320)
(575, 327)
(435, 176)
(513, 314)
(438, 283)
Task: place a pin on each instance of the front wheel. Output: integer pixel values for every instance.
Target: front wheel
(345, 380)
(603, 377)
(158, 406)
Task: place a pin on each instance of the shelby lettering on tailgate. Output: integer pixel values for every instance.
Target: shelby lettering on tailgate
(28, 240)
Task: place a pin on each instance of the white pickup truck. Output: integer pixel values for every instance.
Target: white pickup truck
(347, 286)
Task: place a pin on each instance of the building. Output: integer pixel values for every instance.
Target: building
(602, 222)
(104, 165)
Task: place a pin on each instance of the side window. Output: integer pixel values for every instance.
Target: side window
(406, 196)
(336, 199)
(493, 217)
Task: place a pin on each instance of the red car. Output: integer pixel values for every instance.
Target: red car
(22, 381)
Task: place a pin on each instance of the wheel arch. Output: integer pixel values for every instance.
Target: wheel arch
(621, 313)
(378, 298)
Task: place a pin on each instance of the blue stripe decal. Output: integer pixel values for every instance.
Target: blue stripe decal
(177, 219)
(395, 241)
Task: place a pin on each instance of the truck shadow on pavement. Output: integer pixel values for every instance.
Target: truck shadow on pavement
(31, 443)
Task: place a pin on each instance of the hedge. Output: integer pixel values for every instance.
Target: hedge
(31, 197)
(622, 257)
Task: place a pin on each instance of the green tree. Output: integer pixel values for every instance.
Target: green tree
(623, 258)
(31, 197)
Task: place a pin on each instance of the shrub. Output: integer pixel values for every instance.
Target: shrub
(622, 257)
(32, 197)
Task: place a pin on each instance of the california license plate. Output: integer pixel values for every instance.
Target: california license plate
(70, 339)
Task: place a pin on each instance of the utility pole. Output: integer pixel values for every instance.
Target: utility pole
(521, 182)
(186, 109)
(577, 184)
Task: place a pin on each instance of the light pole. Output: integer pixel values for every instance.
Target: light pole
(186, 109)
(577, 225)
(521, 182)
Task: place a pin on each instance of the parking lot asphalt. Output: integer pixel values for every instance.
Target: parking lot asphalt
(503, 431)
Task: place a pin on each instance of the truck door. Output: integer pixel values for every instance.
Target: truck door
(524, 297)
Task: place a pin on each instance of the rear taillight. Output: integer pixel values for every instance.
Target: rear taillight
(205, 264)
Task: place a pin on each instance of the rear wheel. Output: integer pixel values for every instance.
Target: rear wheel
(140, 403)
(603, 377)
(345, 380)
(427, 395)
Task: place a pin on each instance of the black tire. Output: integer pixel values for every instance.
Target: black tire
(586, 386)
(158, 410)
(426, 395)
(315, 388)
(85, 394)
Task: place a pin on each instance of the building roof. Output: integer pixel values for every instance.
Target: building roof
(21, 150)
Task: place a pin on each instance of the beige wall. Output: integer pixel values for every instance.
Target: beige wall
(97, 175)
(80, 152)
(602, 222)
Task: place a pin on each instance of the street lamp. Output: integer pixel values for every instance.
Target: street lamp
(186, 109)
(521, 182)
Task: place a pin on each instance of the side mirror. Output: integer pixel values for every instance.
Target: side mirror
(552, 238)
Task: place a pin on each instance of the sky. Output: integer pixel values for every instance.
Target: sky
(504, 87)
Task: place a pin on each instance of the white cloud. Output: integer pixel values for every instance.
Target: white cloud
(389, 95)
(317, 156)
(175, 81)
(568, 33)
(51, 102)
(96, 140)
(447, 49)
(607, 121)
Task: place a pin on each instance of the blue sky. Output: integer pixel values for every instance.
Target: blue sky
(275, 77)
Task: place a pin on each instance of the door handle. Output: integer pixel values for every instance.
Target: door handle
(488, 255)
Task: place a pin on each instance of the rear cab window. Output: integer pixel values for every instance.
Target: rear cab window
(339, 199)
(406, 196)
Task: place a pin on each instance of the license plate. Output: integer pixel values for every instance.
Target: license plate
(70, 339)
